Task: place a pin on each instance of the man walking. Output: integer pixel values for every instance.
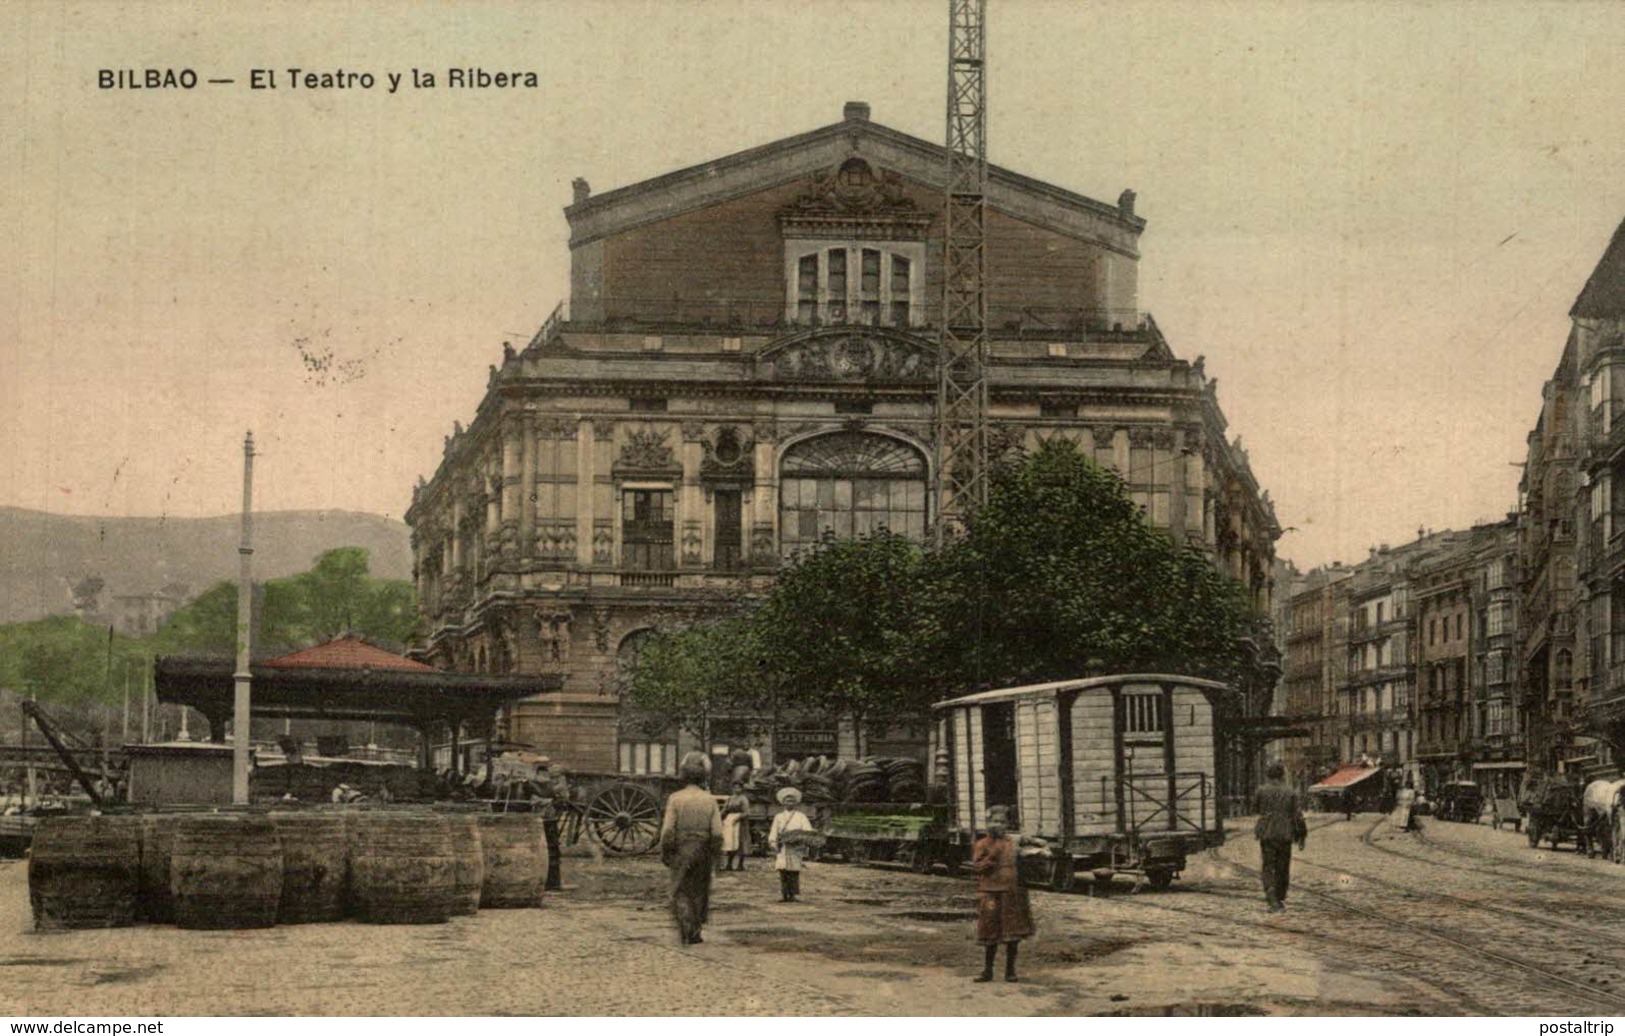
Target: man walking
(690, 842)
(1280, 823)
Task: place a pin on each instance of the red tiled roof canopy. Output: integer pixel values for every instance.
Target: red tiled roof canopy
(1345, 777)
(347, 652)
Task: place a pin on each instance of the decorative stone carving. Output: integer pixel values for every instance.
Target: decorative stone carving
(1104, 437)
(556, 540)
(553, 628)
(850, 356)
(764, 431)
(603, 430)
(691, 542)
(854, 187)
(761, 543)
(647, 452)
(693, 431)
(1140, 437)
(1162, 438)
(600, 629)
(603, 544)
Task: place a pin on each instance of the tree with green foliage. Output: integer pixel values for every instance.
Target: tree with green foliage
(686, 677)
(850, 630)
(335, 596)
(1058, 575)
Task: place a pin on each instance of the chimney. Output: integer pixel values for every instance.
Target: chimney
(1125, 203)
(581, 189)
(856, 111)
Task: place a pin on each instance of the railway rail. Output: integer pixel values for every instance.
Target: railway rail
(1342, 901)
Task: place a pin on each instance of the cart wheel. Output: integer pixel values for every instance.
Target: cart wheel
(1160, 878)
(1062, 878)
(624, 819)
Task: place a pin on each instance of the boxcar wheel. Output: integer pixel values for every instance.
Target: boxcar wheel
(1160, 878)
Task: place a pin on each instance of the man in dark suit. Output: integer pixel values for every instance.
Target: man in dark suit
(1280, 823)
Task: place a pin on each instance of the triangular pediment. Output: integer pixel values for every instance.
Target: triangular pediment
(848, 354)
(816, 158)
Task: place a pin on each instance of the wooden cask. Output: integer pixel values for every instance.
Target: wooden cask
(402, 868)
(515, 847)
(83, 872)
(225, 871)
(315, 866)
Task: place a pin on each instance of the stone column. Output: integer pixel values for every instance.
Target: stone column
(691, 545)
(456, 529)
(585, 444)
(763, 513)
(527, 486)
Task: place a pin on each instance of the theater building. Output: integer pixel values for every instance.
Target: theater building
(746, 363)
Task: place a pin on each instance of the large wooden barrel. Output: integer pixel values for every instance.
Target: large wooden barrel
(515, 860)
(83, 872)
(315, 866)
(402, 868)
(225, 871)
(153, 900)
(468, 850)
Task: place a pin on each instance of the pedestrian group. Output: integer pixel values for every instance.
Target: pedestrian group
(697, 837)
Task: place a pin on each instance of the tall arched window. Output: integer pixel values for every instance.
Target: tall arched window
(850, 484)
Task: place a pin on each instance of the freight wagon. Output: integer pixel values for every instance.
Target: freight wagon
(1102, 775)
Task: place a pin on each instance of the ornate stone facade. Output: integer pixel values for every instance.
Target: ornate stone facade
(747, 365)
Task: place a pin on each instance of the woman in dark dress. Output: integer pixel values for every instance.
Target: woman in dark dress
(1003, 913)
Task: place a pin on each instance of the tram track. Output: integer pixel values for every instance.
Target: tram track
(1461, 902)
(1505, 962)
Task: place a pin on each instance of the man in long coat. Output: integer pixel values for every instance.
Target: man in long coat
(690, 844)
(1280, 823)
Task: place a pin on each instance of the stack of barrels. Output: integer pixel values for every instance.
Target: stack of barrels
(257, 868)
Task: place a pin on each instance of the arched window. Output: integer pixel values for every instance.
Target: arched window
(850, 484)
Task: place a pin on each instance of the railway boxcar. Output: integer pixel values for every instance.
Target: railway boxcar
(1106, 774)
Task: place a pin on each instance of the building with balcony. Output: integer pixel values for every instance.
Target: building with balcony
(1548, 503)
(1313, 649)
(747, 364)
(1594, 719)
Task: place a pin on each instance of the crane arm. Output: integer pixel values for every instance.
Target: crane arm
(46, 727)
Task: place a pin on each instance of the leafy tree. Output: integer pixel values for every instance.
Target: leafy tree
(1060, 574)
(849, 629)
(335, 596)
(686, 677)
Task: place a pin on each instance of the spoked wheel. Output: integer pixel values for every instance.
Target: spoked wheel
(624, 819)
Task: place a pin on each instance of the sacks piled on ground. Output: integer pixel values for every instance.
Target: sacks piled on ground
(822, 779)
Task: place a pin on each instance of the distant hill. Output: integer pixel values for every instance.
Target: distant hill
(42, 555)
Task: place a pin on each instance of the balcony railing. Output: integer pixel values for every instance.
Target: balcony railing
(769, 316)
(641, 578)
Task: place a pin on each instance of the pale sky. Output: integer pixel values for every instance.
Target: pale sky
(1371, 218)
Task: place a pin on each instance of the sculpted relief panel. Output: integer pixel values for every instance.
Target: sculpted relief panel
(854, 356)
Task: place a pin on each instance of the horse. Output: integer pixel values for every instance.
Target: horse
(1599, 802)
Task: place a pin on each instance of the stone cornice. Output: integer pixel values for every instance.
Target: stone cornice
(798, 157)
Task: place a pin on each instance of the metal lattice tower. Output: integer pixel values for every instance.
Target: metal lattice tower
(961, 475)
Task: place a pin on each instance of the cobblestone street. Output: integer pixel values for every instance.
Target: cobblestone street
(1459, 920)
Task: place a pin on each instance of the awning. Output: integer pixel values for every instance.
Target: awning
(1346, 777)
(1499, 766)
